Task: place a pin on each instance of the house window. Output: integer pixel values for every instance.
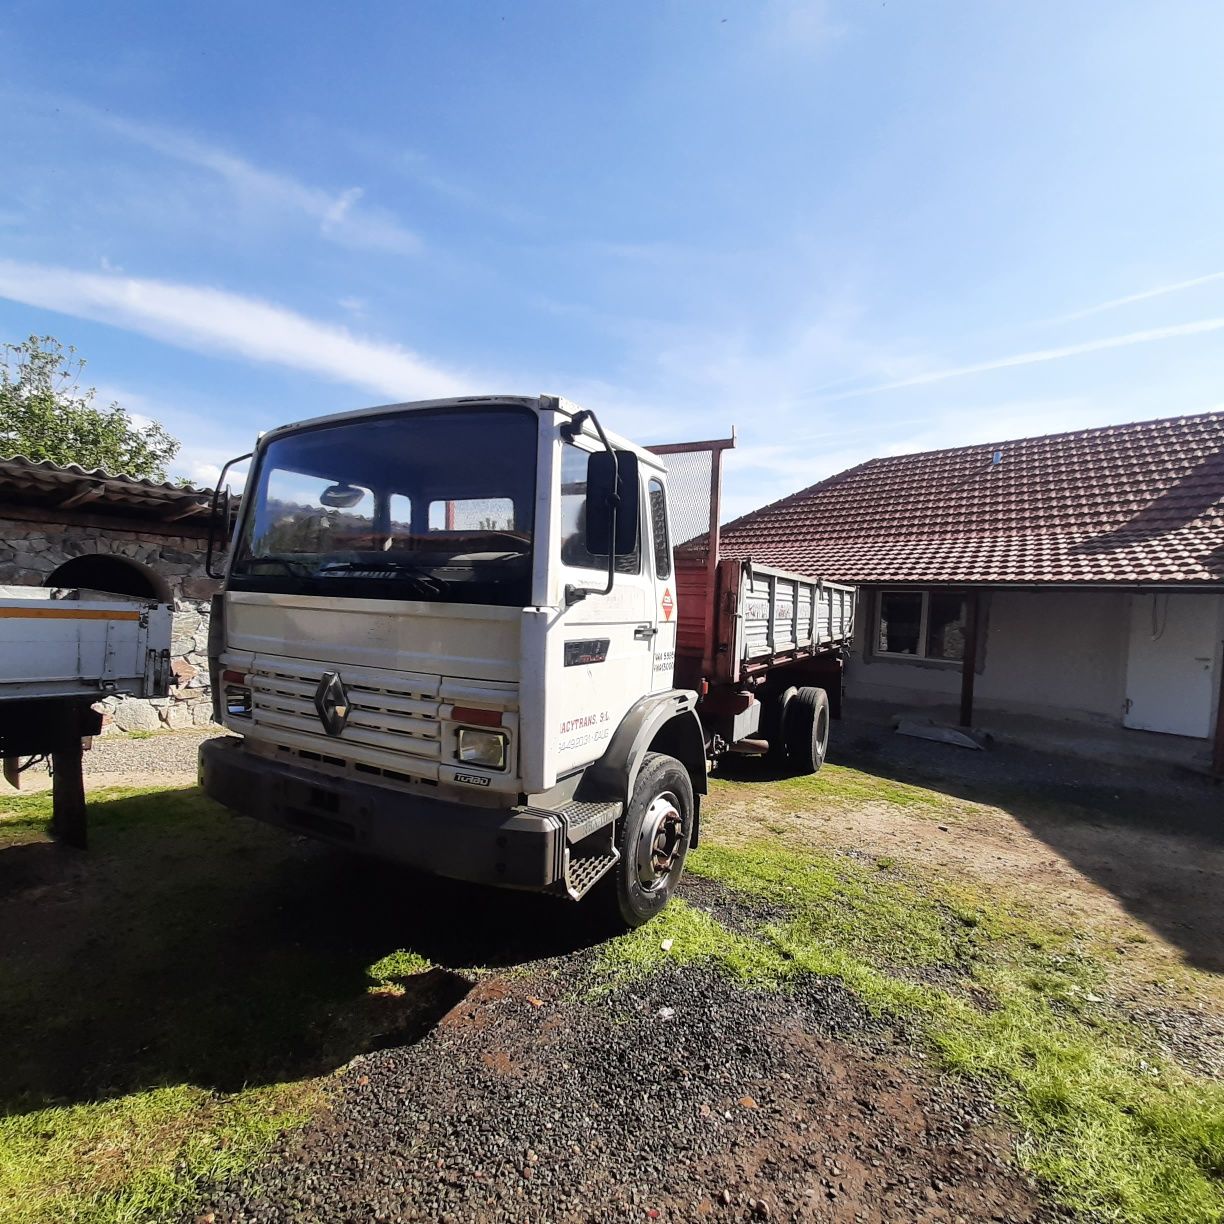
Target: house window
(921, 625)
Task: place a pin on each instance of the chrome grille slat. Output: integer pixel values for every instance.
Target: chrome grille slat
(406, 745)
(393, 721)
(361, 716)
(361, 696)
(359, 754)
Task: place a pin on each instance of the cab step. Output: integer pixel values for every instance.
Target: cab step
(583, 819)
(582, 873)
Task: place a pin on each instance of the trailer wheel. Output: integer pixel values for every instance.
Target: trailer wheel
(654, 839)
(805, 729)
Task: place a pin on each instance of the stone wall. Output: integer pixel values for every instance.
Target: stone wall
(30, 553)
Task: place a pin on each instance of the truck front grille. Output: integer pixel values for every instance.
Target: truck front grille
(393, 723)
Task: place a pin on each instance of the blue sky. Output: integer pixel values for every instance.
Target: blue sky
(848, 229)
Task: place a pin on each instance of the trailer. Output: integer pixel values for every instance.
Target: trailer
(61, 651)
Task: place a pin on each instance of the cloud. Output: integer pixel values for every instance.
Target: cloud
(1145, 295)
(1037, 356)
(340, 216)
(213, 320)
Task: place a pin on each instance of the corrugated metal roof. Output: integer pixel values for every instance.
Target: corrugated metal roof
(1138, 503)
(42, 483)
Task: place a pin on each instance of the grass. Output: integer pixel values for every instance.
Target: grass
(1112, 1130)
(140, 1156)
(176, 997)
(844, 786)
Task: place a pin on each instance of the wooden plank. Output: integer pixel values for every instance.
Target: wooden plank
(137, 519)
(969, 662)
(1217, 756)
(68, 822)
(87, 494)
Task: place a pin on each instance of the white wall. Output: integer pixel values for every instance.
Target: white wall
(1045, 652)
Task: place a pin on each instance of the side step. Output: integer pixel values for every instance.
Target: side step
(583, 873)
(583, 819)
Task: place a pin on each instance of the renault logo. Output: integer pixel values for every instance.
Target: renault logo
(332, 703)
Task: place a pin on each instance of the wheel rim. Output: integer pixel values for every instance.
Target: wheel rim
(822, 734)
(660, 842)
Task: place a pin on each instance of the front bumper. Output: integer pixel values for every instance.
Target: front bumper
(509, 847)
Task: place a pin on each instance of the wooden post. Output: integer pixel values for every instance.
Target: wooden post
(969, 662)
(68, 795)
(1217, 756)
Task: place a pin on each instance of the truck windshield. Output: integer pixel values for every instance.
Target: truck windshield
(431, 504)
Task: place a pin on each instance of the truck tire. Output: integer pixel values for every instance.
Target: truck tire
(805, 729)
(777, 722)
(653, 840)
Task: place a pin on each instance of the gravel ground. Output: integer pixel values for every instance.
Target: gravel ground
(676, 1098)
(163, 759)
(1188, 803)
(164, 752)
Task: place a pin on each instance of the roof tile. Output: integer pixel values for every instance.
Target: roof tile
(1128, 503)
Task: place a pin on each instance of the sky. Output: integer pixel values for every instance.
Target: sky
(847, 230)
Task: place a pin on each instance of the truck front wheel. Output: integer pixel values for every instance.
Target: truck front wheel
(654, 839)
(805, 729)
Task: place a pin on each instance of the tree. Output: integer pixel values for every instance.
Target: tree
(44, 414)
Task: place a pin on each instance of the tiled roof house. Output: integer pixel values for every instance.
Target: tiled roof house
(1140, 503)
(1094, 561)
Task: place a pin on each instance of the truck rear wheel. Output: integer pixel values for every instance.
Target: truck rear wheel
(805, 729)
(776, 714)
(654, 839)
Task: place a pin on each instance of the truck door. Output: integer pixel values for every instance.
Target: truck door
(607, 640)
(666, 610)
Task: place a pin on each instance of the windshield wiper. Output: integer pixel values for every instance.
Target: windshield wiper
(382, 563)
(420, 575)
(289, 564)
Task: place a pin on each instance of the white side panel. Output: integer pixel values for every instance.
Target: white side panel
(1171, 677)
(60, 646)
(783, 612)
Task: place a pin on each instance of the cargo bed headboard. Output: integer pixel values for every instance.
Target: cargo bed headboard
(694, 490)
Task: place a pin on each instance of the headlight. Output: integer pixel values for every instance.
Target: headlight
(237, 701)
(487, 748)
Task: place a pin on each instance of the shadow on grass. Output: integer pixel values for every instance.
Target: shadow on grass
(1155, 842)
(190, 946)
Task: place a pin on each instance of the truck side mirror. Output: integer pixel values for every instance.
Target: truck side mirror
(220, 515)
(604, 471)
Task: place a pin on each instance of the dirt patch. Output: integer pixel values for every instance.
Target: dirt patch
(1134, 861)
(679, 1098)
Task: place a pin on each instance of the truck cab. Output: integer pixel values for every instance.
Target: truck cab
(447, 636)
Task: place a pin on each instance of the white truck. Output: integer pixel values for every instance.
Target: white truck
(61, 651)
(457, 633)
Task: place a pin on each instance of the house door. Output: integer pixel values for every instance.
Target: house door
(1171, 683)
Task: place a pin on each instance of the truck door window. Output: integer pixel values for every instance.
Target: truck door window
(573, 519)
(658, 523)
